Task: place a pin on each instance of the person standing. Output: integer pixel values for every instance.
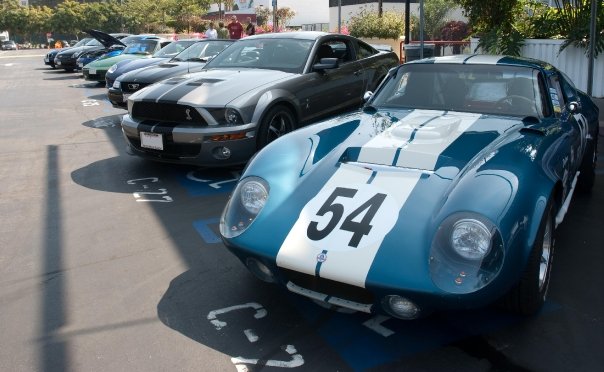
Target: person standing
(250, 29)
(222, 32)
(235, 28)
(211, 32)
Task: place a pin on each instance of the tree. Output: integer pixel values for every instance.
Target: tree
(284, 15)
(435, 17)
(494, 22)
(68, 18)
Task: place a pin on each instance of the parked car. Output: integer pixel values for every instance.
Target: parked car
(254, 91)
(49, 58)
(67, 59)
(163, 55)
(444, 192)
(9, 45)
(192, 59)
(141, 47)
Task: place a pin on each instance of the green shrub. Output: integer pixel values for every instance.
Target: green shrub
(369, 25)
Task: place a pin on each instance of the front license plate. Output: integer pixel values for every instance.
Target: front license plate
(126, 97)
(46, 59)
(152, 141)
(80, 64)
(92, 72)
(58, 63)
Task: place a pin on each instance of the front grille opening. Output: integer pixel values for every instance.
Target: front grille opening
(329, 287)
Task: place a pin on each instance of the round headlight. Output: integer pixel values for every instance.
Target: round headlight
(253, 196)
(471, 239)
(232, 116)
(112, 69)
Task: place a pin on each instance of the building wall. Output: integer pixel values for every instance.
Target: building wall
(307, 11)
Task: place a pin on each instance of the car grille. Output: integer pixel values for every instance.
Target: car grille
(132, 87)
(169, 112)
(329, 287)
(171, 150)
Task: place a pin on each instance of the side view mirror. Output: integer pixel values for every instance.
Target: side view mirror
(326, 64)
(574, 107)
(368, 94)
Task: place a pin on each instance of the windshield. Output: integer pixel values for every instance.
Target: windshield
(289, 55)
(173, 48)
(84, 41)
(487, 89)
(141, 47)
(201, 50)
(94, 42)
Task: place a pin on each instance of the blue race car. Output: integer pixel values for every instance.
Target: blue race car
(444, 192)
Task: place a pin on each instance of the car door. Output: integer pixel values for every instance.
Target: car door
(333, 90)
(574, 126)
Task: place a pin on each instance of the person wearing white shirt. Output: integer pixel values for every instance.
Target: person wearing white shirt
(211, 32)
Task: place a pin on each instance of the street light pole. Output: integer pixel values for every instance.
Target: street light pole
(275, 19)
(339, 16)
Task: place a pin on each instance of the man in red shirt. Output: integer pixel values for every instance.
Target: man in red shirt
(235, 28)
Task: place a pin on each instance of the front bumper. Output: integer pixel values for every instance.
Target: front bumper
(186, 144)
(117, 97)
(94, 74)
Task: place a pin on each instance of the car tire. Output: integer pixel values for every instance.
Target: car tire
(587, 176)
(278, 121)
(529, 294)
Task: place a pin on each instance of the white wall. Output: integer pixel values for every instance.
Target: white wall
(307, 11)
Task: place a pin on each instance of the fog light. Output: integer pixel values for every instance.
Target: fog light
(221, 153)
(260, 270)
(401, 307)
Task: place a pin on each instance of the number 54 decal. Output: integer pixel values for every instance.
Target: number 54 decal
(364, 211)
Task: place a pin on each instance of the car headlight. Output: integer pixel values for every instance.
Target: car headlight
(112, 69)
(116, 84)
(226, 116)
(467, 253)
(76, 54)
(248, 200)
(471, 239)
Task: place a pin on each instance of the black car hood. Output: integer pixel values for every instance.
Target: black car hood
(105, 39)
(162, 71)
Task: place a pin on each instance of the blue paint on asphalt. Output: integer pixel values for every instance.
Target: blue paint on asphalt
(205, 182)
(204, 230)
(362, 348)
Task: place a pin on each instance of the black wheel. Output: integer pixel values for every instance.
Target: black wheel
(587, 176)
(278, 121)
(529, 294)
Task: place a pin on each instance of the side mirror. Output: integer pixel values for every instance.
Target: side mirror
(574, 107)
(326, 64)
(368, 94)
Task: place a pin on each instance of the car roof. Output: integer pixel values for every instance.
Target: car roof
(484, 59)
(306, 35)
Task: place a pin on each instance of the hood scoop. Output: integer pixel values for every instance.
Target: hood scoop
(412, 143)
(202, 81)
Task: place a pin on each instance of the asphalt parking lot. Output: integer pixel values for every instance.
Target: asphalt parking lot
(112, 263)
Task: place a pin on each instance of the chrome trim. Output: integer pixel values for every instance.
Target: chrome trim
(388, 168)
(365, 308)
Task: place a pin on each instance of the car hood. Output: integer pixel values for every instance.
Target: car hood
(110, 61)
(161, 71)
(216, 87)
(417, 160)
(83, 48)
(139, 64)
(105, 39)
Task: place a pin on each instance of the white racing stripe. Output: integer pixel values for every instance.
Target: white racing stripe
(419, 138)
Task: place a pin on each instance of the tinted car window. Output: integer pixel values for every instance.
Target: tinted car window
(141, 47)
(365, 51)
(173, 48)
(483, 89)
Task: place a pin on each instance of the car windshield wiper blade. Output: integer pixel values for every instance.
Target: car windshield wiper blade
(196, 59)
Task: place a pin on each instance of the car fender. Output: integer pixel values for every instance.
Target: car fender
(272, 98)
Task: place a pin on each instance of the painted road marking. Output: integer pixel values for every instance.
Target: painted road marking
(204, 230)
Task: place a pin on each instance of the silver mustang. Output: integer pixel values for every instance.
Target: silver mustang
(256, 90)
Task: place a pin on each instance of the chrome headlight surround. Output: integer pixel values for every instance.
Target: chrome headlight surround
(246, 202)
(112, 69)
(467, 253)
